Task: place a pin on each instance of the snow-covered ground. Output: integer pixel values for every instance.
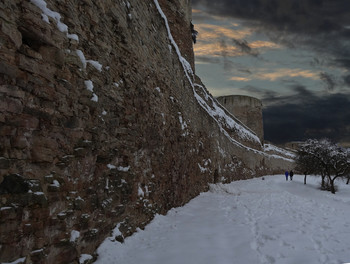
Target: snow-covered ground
(251, 221)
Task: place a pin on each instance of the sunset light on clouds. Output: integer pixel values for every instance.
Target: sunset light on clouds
(212, 32)
(293, 55)
(286, 73)
(265, 74)
(226, 39)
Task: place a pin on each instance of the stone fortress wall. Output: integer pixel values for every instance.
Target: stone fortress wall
(103, 124)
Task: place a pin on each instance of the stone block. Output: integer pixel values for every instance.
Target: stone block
(25, 121)
(25, 50)
(11, 105)
(74, 122)
(78, 203)
(20, 142)
(4, 163)
(36, 32)
(35, 199)
(53, 55)
(12, 91)
(11, 31)
(9, 70)
(67, 254)
(7, 213)
(6, 131)
(19, 154)
(27, 229)
(56, 183)
(38, 256)
(28, 64)
(42, 154)
(10, 232)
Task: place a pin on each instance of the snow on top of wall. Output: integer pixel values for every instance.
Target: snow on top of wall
(94, 97)
(270, 147)
(55, 183)
(215, 111)
(74, 235)
(17, 261)
(84, 257)
(183, 125)
(90, 86)
(140, 192)
(186, 66)
(124, 169)
(55, 16)
(73, 36)
(98, 66)
(202, 169)
(95, 64)
(41, 4)
(81, 57)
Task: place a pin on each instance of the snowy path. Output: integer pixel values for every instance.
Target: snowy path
(253, 221)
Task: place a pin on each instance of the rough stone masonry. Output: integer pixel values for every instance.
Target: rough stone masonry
(101, 124)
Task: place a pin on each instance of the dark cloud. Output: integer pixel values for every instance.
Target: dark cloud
(253, 89)
(323, 25)
(223, 47)
(328, 80)
(224, 53)
(347, 80)
(317, 62)
(261, 93)
(244, 70)
(302, 92)
(307, 16)
(344, 62)
(334, 44)
(318, 117)
(302, 96)
(244, 47)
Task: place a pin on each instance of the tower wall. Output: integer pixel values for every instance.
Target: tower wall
(247, 109)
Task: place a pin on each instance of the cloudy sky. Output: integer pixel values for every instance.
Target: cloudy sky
(294, 55)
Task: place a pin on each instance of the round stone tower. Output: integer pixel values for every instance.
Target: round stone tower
(247, 109)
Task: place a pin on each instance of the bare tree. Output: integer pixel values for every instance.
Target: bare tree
(348, 174)
(339, 165)
(324, 158)
(305, 163)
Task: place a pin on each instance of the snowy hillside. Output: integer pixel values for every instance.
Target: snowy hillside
(251, 221)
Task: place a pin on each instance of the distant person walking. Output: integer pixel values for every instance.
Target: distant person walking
(286, 173)
(291, 175)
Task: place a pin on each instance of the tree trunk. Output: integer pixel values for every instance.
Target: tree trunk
(305, 179)
(347, 182)
(331, 181)
(323, 184)
(216, 176)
